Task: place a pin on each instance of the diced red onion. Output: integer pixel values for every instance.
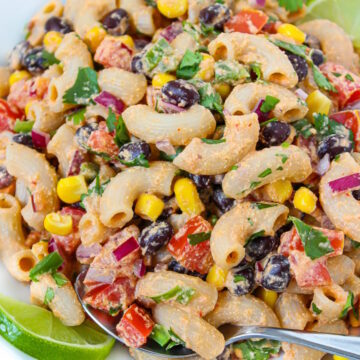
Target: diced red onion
(75, 164)
(139, 268)
(33, 204)
(257, 3)
(109, 100)
(126, 248)
(262, 117)
(123, 46)
(353, 106)
(323, 165)
(99, 275)
(87, 252)
(172, 31)
(301, 94)
(166, 147)
(170, 108)
(346, 183)
(40, 139)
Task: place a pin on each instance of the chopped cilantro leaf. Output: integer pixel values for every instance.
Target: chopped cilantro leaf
(254, 184)
(189, 65)
(213, 141)
(291, 5)
(238, 278)
(261, 206)
(138, 161)
(315, 309)
(49, 59)
(77, 117)
(269, 104)
(254, 236)
(299, 50)
(117, 125)
(321, 81)
(49, 296)
(349, 77)
(265, 173)
(256, 69)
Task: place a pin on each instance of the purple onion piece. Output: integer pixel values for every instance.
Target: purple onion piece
(126, 248)
(172, 31)
(99, 275)
(262, 117)
(75, 164)
(346, 183)
(108, 100)
(166, 147)
(169, 108)
(39, 138)
(85, 253)
(139, 268)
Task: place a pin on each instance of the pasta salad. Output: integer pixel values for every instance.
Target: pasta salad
(197, 160)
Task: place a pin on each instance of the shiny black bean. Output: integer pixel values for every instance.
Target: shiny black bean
(282, 230)
(317, 57)
(116, 22)
(215, 16)
(136, 64)
(17, 55)
(33, 60)
(259, 247)
(334, 145)
(57, 24)
(299, 64)
(276, 275)
(130, 151)
(201, 181)
(180, 93)
(5, 178)
(176, 267)
(23, 139)
(356, 194)
(312, 42)
(243, 280)
(83, 133)
(221, 201)
(155, 236)
(274, 133)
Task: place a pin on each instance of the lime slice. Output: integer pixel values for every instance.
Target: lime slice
(38, 333)
(345, 13)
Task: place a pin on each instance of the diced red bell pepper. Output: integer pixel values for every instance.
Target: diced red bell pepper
(247, 21)
(351, 120)
(8, 115)
(135, 326)
(192, 257)
(345, 82)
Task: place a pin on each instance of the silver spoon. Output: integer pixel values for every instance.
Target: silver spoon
(347, 346)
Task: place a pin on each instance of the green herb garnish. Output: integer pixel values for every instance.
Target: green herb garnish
(198, 238)
(315, 309)
(23, 126)
(269, 104)
(138, 161)
(189, 65)
(265, 173)
(321, 81)
(254, 236)
(291, 5)
(262, 206)
(49, 263)
(117, 125)
(77, 117)
(258, 349)
(49, 59)
(213, 141)
(49, 296)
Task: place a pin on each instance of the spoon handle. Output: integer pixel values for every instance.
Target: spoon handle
(347, 346)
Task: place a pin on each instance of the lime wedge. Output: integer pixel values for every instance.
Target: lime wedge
(345, 13)
(38, 333)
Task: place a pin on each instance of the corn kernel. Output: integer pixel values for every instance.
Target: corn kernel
(58, 224)
(71, 188)
(268, 296)
(338, 357)
(293, 32)
(278, 191)
(172, 8)
(40, 249)
(317, 102)
(217, 277)
(94, 37)
(52, 40)
(18, 76)
(149, 207)
(27, 108)
(207, 68)
(187, 197)
(354, 322)
(223, 89)
(305, 200)
(159, 80)
(127, 40)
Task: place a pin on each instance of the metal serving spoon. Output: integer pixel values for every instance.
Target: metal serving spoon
(347, 346)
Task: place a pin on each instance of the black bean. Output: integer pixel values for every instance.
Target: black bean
(180, 93)
(136, 64)
(312, 42)
(83, 133)
(282, 230)
(141, 43)
(276, 275)
(130, 151)
(274, 133)
(17, 55)
(155, 236)
(243, 280)
(176, 267)
(334, 145)
(299, 64)
(221, 201)
(23, 139)
(356, 194)
(317, 57)
(116, 22)
(261, 246)
(201, 181)
(5, 178)
(34, 61)
(57, 24)
(215, 16)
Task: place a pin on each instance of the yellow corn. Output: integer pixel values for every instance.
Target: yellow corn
(268, 296)
(52, 40)
(338, 357)
(58, 224)
(18, 75)
(71, 188)
(317, 102)
(40, 249)
(207, 68)
(305, 200)
(94, 37)
(27, 108)
(217, 277)
(172, 8)
(159, 80)
(278, 191)
(293, 32)
(223, 89)
(187, 197)
(149, 207)
(127, 40)
(354, 322)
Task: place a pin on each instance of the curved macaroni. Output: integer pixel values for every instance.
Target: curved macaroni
(151, 126)
(244, 98)
(241, 135)
(266, 166)
(340, 268)
(234, 227)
